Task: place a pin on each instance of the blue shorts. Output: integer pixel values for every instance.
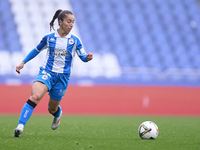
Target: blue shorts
(56, 82)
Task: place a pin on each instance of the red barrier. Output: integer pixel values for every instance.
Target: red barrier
(110, 100)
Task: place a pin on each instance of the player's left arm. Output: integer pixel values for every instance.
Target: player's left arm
(82, 54)
(89, 56)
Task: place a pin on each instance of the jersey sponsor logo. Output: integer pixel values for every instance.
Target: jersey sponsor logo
(71, 41)
(60, 52)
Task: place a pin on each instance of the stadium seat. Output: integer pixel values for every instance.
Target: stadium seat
(155, 34)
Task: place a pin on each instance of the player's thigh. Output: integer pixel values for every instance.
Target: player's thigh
(38, 90)
(58, 90)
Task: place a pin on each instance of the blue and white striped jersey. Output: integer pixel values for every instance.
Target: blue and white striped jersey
(60, 52)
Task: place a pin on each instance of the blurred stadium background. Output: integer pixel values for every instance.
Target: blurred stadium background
(134, 42)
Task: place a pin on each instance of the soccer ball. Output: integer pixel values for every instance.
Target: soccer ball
(148, 130)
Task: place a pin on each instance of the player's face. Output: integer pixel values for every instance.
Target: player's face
(67, 24)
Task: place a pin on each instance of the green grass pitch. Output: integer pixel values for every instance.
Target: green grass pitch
(100, 133)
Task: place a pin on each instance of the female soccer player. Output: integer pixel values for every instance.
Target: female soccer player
(54, 74)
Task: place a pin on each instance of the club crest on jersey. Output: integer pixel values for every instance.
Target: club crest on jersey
(71, 41)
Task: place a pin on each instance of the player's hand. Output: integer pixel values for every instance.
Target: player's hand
(89, 56)
(19, 67)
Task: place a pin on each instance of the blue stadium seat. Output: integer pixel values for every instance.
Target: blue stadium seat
(157, 30)
(8, 29)
(143, 34)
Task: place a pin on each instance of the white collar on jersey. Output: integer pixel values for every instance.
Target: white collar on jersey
(67, 36)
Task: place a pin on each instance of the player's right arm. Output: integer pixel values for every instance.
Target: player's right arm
(33, 53)
(19, 67)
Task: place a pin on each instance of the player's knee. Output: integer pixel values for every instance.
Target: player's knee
(52, 110)
(35, 98)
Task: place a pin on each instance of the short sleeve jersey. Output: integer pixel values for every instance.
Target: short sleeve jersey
(60, 51)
